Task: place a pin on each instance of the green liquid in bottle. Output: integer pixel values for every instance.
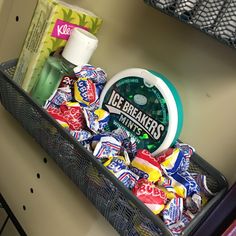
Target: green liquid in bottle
(53, 71)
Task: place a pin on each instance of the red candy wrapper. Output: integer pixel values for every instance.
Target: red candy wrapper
(58, 116)
(69, 115)
(73, 113)
(153, 197)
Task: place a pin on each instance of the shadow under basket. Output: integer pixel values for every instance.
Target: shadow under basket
(125, 212)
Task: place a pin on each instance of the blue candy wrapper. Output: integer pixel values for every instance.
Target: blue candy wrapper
(128, 178)
(187, 150)
(97, 75)
(107, 147)
(60, 96)
(118, 165)
(96, 120)
(173, 211)
(81, 135)
(184, 184)
(173, 160)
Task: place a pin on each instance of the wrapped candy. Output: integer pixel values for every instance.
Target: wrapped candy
(173, 211)
(88, 87)
(96, 120)
(178, 227)
(173, 160)
(118, 165)
(153, 197)
(85, 92)
(67, 82)
(73, 114)
(146, 166)
(60, 96)
(107, 147)
(58, 116)
(194, 203)
(183, 184)
(97, 75)
(81, 135)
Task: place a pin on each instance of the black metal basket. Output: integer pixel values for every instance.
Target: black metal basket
(217, 18)
(127, 214)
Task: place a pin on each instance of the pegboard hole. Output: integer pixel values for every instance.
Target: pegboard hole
(31, 190)
(24, 207)
(38, 175)
(45, 160)
(17, 18)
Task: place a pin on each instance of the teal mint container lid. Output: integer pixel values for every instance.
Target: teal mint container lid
(147, 105)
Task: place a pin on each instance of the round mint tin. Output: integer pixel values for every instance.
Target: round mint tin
(147, 105)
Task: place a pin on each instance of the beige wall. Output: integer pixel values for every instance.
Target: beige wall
(135, 35)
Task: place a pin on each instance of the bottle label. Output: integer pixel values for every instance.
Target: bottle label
(140, 109)
(62, 29)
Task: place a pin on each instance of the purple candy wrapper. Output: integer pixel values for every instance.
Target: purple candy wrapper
(202, 183)
(128, 143)
(194, 203)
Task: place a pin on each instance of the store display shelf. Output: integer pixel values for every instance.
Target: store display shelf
(127, 214)
(216, 18)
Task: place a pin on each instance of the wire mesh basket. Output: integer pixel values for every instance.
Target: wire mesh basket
(126, 213)
(214, 17)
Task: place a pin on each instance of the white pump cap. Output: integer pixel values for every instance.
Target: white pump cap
(80, 47)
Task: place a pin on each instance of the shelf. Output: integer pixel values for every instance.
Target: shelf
(216, 18)
(117, 204)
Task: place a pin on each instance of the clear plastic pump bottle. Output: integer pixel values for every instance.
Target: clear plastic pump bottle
(77, 52)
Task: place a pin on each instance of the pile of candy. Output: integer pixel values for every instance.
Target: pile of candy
(161, 182)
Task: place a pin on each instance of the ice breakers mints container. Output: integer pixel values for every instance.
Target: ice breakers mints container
(147, 105)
